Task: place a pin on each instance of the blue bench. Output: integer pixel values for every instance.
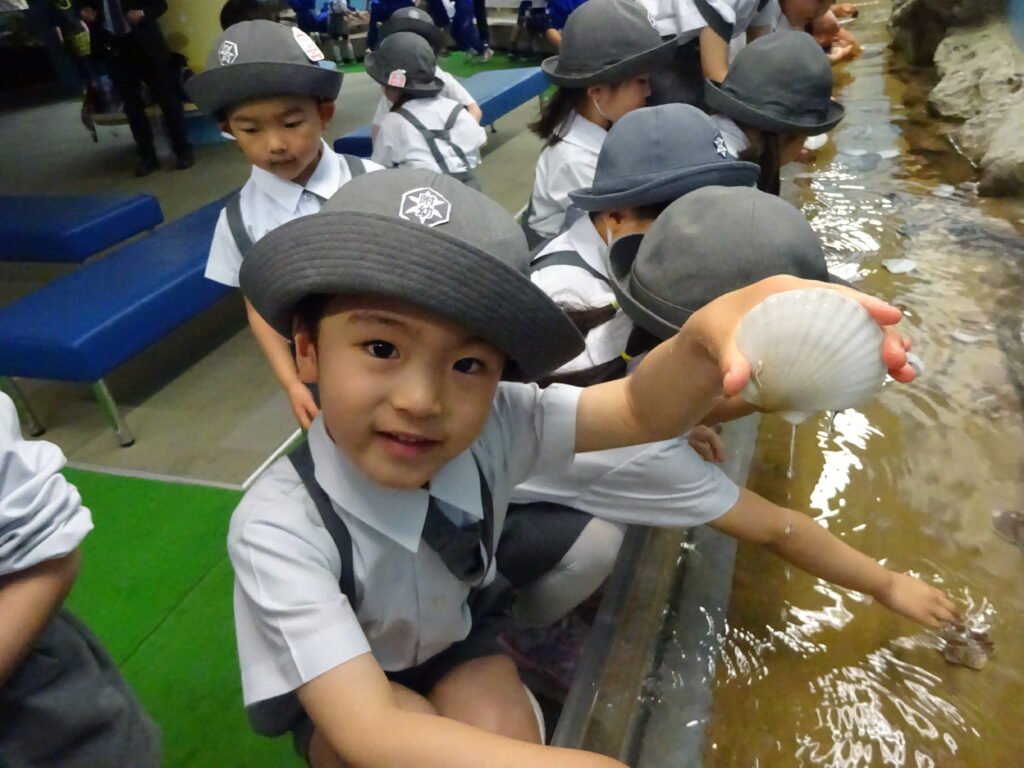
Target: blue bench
(73, 228)
(497, 93)
(85, 324)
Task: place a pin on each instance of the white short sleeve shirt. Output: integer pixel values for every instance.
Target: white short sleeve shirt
(291, 619)
(41, 513)
(681, 17)
(453, 90)
(400, 144)
(573, 287)
(268, 201)
(563, 168)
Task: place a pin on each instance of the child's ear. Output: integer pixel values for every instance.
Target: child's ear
(306, 361)
(225, 127)
(326, 113)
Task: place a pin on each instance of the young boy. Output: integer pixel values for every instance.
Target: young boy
(263, 82)
(62, 700)
(352, 632)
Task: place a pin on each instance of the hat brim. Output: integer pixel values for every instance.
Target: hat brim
(424, 29)
(641, 63)
(223, 87)
(720, 100)
(375, 68)
(367, 254)
(668, 186)
(627, 289)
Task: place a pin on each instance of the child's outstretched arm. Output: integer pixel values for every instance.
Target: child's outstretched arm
(282, 362)
(355, 710)
(800, 540)
(27, 601)
(682, 378)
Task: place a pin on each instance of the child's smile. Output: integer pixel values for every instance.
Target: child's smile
(403, 392)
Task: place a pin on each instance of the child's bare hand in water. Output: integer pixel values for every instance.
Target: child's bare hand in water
(707, 443)
(916, 600)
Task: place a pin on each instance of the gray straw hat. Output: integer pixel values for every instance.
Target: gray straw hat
(261, 59)
(658, 154)
(405, 61)
(781, 83)
(607, 41)
(416, 21)
(706, 244)
(421, 237)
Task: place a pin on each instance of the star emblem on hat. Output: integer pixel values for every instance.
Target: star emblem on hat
(426, 206)
(720, 147)
(227, 53)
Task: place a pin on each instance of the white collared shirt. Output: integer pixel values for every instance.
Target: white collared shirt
(681, 17)
(400, 144)
(453, 90)
(41, 513)
(736, 140)
(268, 201)
(567, 166)
(292, 621)
(575, 288)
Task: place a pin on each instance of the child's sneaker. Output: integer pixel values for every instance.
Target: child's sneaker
(488, 54)
(549, 652)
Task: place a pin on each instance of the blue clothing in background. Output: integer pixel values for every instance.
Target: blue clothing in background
(306, 17)
(380, 11)
(463, 29)
(559, 10)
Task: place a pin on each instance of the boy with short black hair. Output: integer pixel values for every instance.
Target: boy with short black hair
(356, 558)
(265, 83)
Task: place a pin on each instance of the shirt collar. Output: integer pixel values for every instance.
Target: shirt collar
(397, 514)
(325, 181)
(584, 134)
(584, 238)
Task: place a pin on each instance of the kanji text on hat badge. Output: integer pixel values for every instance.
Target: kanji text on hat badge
(426, 206)
(227, 53)
(720, 147)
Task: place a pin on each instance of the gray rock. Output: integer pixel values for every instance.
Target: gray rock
(1002, 166)
(918, 26)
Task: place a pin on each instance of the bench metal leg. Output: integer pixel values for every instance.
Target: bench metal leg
(494, 128)
(109, 407)
(28, 416)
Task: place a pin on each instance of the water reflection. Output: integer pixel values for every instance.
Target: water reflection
(815, 675)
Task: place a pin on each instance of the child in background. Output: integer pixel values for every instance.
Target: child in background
(835, 40)
(263, 83)
(419, 22)
(423, 128)
(338, 14)
(62, 700)
(380, 12)
(355, 557)
(705, 30)
(531, 24)
(777, 93)
(558, 12)
(602, 73)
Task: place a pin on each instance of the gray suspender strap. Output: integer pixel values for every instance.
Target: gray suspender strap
(302, 460)
(566, 259)
(444, 134)
(355, 165)
(234, 207)
(237, 226)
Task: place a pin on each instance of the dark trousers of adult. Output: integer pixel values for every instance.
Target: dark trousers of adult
(130, 65)
(480, 13)
(464, 30)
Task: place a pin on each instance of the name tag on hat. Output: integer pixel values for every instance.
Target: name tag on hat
(307, 45)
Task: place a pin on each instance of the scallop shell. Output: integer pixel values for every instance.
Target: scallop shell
(810, 350)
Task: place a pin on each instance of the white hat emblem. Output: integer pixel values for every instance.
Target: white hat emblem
(397, 78)
(426, 206)
(720, 147)
(227, 53)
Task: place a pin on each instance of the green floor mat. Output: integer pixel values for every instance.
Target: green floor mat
(186, 673)
(460, 65)
(155, 585)
(152, 544)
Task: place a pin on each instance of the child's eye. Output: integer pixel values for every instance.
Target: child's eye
(468, 365)
(384, 350)
(293, 124)
(249, 130)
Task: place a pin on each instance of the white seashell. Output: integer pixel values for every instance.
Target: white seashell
(810, 350)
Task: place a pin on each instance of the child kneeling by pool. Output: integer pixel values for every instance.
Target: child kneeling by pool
(357, 557)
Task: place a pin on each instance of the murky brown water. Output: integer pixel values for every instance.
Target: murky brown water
(814, 675)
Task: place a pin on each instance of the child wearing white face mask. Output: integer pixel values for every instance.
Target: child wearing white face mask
(609, 47)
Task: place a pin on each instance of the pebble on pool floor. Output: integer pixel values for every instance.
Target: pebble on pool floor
(964, 646)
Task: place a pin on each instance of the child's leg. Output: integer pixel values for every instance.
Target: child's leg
(488, 694)
(322, 756)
